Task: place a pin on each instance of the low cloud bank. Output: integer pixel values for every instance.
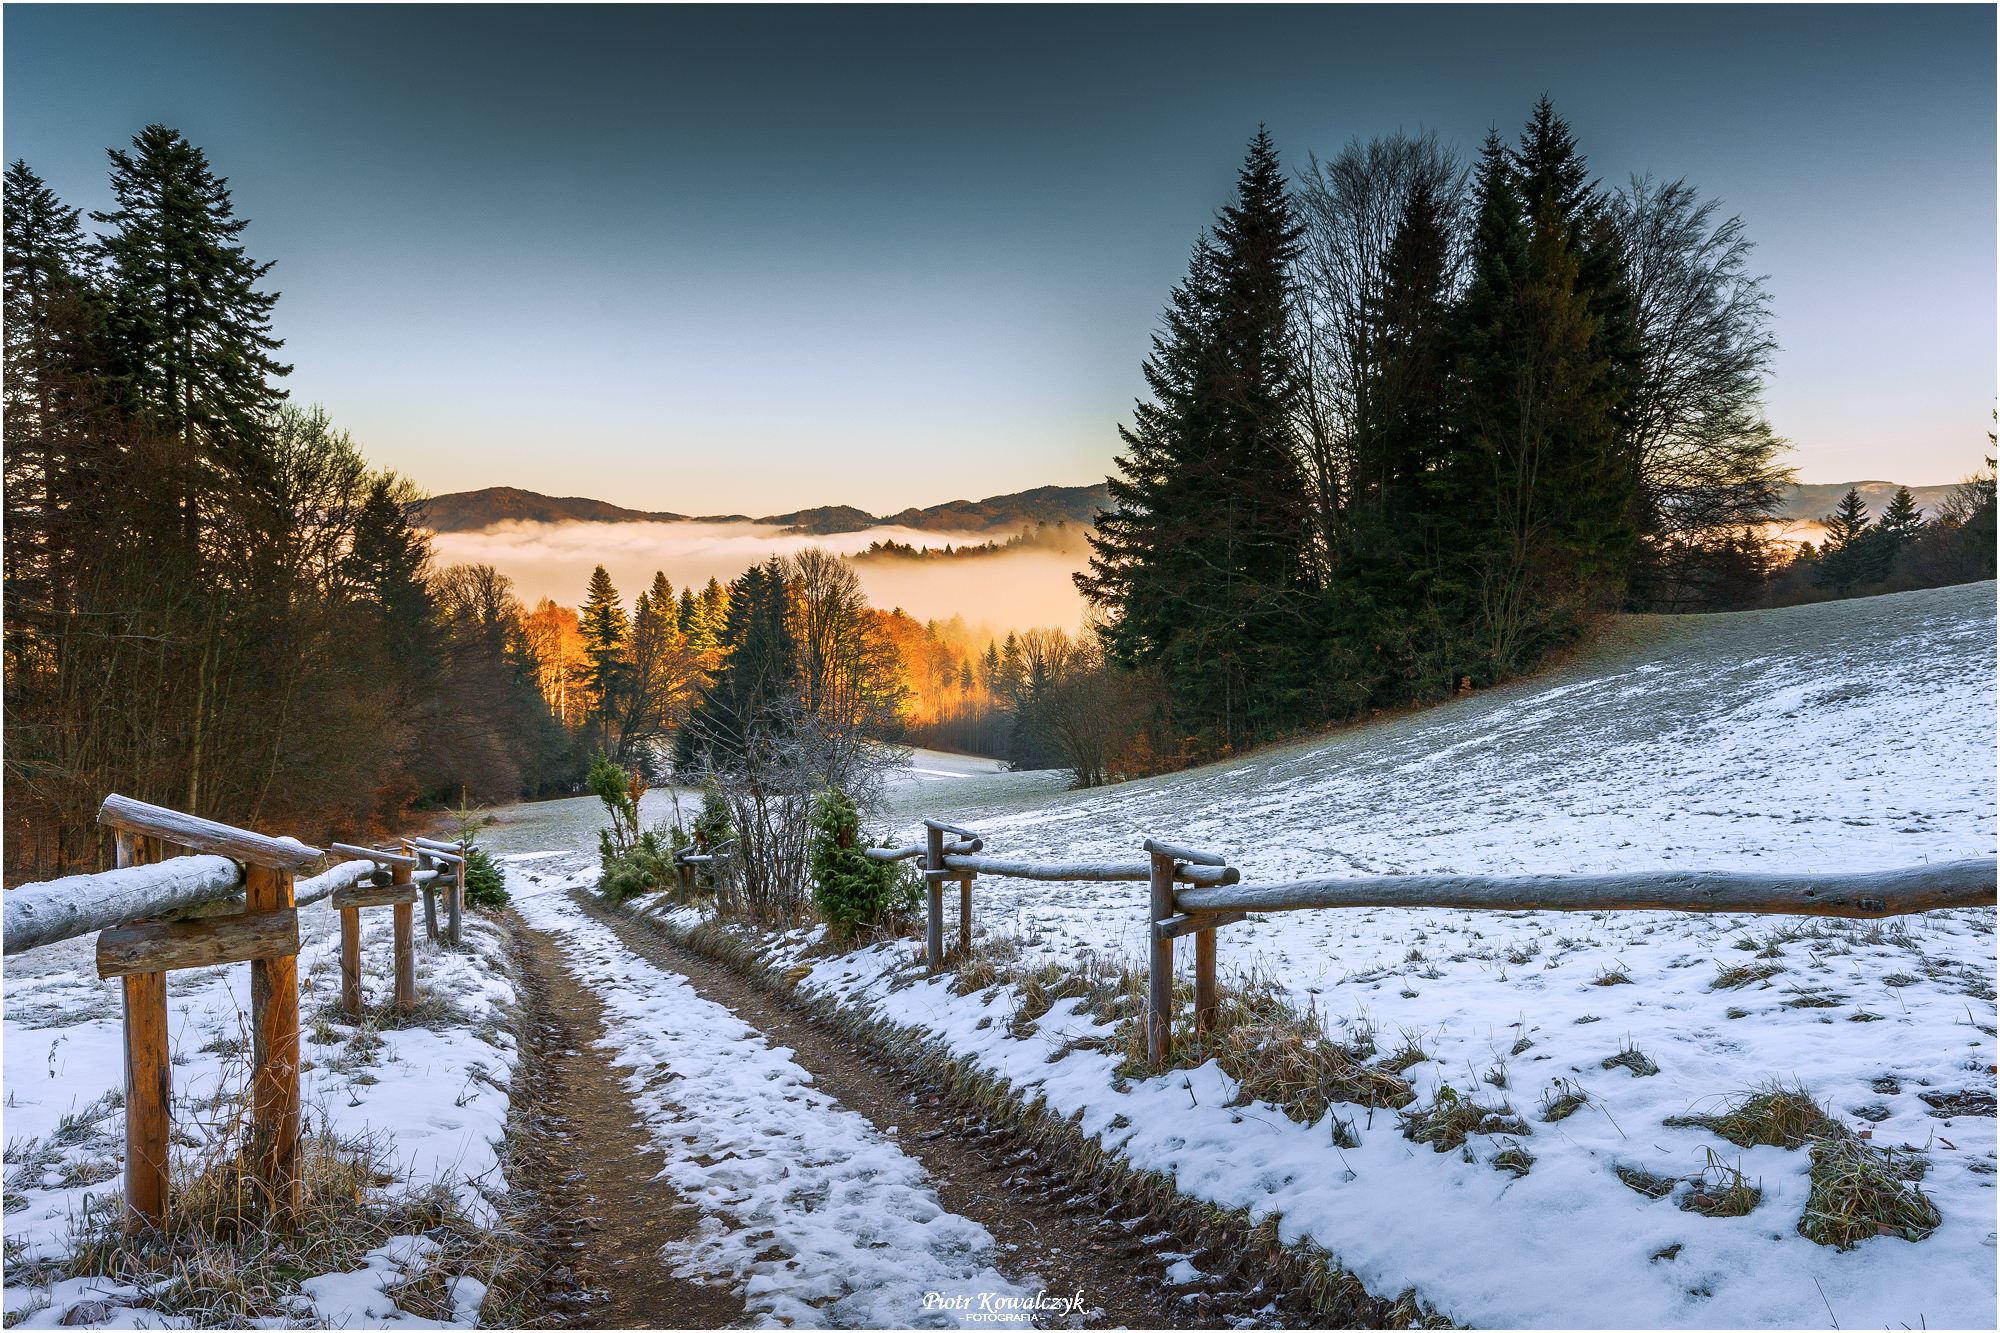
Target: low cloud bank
(1016, 590)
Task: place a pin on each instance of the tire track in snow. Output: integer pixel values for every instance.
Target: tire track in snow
(811, 1214)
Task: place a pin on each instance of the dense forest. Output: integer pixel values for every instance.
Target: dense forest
(1414, 422)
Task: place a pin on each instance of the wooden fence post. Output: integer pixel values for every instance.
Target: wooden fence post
(458, 896)
(406, 949)
(148, 1082)
(350, 961)
(1160, 988)
(934, 891)
(1207, 1004)
(965, 920)
(429, 887)
(274, 1024)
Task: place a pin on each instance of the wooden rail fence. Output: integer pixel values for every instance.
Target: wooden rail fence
(172, 864)
(1215, 896)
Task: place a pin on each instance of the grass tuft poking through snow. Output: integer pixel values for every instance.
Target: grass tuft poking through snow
(1859, 1191)
(1784, 1117)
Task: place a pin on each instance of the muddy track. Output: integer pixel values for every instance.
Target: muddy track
(1047, 1227)
(599, 1216)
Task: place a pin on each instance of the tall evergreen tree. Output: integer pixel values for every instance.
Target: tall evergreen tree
(1848, 519)
(604, 627)
(1541, 497)
(1902, 517)
(190, 332)
(386, 565)
(759, 673)
(1205, 559)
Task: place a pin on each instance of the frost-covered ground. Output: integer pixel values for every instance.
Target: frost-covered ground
(1842, 736)
(814, 1216)
(433, 1100)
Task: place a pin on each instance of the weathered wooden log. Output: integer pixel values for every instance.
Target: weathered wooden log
(148, 1096)
(274, 1027)
(156, 821)
(149, 1078)
(934, 895)
(457, 893)
(892, 853)
(342, 876)
(1207, 1000)
(406, 951)
(454, 848)
(1185, 924)
(1160, 969)
(937, 826)
(965, 920)
(1188, 854)
(1870, 893)
(439, 854)
(373, 895)
(1090, 870)
(63, 909)
(168, 946)
(375, 854)
(966, 848)
(350, 958)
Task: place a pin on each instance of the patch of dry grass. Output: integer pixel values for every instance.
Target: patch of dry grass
(1786, 1117)
(1743, 974)
(1721, 1191)
(1452, 1117)
(1859, 1191)
(1562, 1099)
(1632, 1058)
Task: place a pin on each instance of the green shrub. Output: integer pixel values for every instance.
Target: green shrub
(632, 861)
(850, 890)
(485, 886)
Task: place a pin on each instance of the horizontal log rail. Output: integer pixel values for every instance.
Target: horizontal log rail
(1154, 847)
(1867, 893)
(1206, 874)
(76, 905)
(375, 854)
(205, 835)
(321, 887)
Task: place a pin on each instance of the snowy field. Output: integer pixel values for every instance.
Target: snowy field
(1837, 737)
(434, 1101)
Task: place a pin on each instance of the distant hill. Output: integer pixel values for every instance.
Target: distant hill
(1809, 502)
(469, 511)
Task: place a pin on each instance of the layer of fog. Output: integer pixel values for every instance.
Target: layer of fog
(1012, 591)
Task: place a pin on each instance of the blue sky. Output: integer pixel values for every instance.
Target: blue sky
(749, 259)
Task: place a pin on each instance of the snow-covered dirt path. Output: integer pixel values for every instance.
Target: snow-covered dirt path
(818, 1218)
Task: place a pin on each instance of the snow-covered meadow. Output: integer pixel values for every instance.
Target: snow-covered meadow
(433, 1100)
(1839, 737)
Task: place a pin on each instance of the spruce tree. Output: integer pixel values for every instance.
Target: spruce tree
(386, 565)
(189, 331)
(604, 627)
(1847, 520)
(1538, 494)
(1902, 517)
(744, 701)
(1205, 557)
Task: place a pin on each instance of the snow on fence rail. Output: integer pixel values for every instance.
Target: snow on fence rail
(1217, 897)
(171, 863)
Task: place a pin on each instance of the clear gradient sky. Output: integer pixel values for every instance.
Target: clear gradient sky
(751, 259)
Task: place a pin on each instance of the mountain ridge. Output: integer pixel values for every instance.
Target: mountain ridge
(471, 511)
